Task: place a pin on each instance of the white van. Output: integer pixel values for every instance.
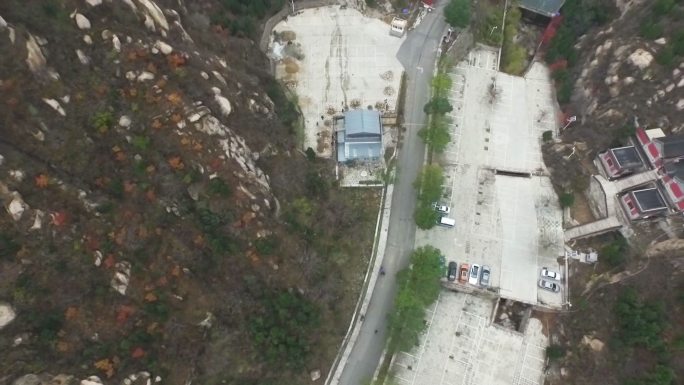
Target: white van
(447, 222)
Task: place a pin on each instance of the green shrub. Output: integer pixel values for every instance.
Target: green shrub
(490, 30)
(678, 44)
(310, 154)
(282, 329)
(102, 120)
(140, 142)
(514, 58)
(513, 54)
(157, 310)
(438, 105)
(640, 323)
(429, 183)
(46, 324)
(614, 253)
(425, 216)
(663, 7)
(666, 56)
(564, 92)
(547, 135)
(8, 246)
(651, 30)
(371, 3)
(219, 187)
(566, 199)
(436, 135)
(419, 287)
(661, 375)
(267, 245)
(441, 84)
(555, 352)
(457, 13)
(316, 185)
(286, 109)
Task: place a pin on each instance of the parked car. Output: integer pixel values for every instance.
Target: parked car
(453, 270)
(474, 274)
(446, 222)
(546, 273)
(441, 208)
(548, 285)
(463, 273)
(484, 277)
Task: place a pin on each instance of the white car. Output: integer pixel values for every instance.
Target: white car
(546, 273)
(441, 208)
(474, 274)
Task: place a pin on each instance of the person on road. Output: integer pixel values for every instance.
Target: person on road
(382, 270)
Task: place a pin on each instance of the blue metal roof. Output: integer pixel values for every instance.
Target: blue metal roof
(547, 8)
(362, 123)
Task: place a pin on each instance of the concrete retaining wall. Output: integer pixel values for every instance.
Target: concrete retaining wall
(597, 199)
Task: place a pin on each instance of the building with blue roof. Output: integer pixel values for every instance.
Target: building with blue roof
(359, 136)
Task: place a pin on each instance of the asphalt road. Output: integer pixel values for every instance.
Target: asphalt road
(417, 54)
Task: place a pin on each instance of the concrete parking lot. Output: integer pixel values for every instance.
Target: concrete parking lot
(511, 223)
(347, 60)
(460, 347)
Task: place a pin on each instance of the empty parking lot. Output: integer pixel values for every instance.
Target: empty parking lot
(509, 221)
(461, 348)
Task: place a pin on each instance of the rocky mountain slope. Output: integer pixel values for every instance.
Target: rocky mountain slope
(160, 225)
(623, 60)
(618, 64)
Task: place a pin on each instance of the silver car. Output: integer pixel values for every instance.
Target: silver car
(484, 277)
(548, 285)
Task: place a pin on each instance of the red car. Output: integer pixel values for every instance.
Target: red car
(463, 273)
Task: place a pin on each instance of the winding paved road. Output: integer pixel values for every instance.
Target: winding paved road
(417, 54)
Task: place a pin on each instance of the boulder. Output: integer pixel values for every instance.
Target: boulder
(641, 58)
(7, 314)
(55, 105)
(35, 58)
(82, 57)
(17, 207)
(29, 379)
(144, 76)
(594, 344)
(163, 47)
(82, 22)
(116, 43)
(92, 380)
(121, 277)
(224, 104)
(124, 121)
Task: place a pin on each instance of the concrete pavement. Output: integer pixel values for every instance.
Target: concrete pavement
(417, 55)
